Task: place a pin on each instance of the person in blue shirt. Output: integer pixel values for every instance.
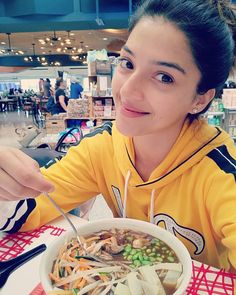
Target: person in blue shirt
(75, 88)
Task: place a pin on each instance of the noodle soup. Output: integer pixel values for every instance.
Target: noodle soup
(141, 259)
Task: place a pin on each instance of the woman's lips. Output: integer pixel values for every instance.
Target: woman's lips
(131, 112)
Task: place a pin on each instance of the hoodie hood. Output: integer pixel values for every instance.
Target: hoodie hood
(194, 142)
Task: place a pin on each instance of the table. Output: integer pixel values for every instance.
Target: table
(7, 104)
(206, 280)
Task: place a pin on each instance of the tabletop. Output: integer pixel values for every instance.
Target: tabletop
(206, 280)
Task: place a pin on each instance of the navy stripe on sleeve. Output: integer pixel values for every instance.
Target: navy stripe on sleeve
(18, 206)
(224, 160)
(31, 204)
(107, 126)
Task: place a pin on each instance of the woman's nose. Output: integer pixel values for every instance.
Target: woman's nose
(133, 86)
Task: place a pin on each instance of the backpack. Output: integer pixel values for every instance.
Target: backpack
(50, 106)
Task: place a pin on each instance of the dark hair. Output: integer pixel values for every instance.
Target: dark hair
(58, 83)
(209, 26)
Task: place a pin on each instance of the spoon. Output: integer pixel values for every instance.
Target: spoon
(87, 256)
(7, 267)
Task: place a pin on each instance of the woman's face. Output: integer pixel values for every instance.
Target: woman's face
(155, 83)
(63, 84)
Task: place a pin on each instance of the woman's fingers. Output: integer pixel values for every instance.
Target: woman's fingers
(6, 196)
(14, 190)
(20, 175)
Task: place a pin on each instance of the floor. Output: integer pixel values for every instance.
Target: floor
(10, 121)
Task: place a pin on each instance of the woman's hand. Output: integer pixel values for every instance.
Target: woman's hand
(20, 176)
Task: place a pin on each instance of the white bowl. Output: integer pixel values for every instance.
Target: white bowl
(120, 223)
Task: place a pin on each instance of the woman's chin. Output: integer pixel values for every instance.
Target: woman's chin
(127, 129)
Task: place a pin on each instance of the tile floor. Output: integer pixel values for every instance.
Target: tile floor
(12, 120)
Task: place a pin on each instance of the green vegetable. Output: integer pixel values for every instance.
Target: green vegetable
(61, 272)
(130, 257)
(128, 248)
(137, 263)
(170, 259)
(135, 256)
(133, 251)
(103, 273)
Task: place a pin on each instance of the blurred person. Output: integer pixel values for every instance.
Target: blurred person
(46, 88)
(75, 88)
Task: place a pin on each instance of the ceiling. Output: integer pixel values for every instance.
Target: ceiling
(97, 23)
(110, 39)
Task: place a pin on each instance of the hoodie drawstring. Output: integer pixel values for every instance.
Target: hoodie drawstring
(152, 198)
(126, 192)
(152, 201)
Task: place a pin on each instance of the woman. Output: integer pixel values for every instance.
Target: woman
(60, 97)
(158, 162)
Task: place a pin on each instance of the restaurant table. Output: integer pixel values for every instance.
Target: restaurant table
(7, 104)
(206, 280)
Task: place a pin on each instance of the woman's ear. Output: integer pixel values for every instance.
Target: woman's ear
(202, 100)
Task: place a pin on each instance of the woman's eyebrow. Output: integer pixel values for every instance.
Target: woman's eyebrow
(160, 63)
(170, 65)
(126, 48)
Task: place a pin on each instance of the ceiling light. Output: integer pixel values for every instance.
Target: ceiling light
(104, 39)
(33, 58)
(56, 42)
(115, 31)
(3, 43)
(10, 50)
(51, 40)
(74, 57)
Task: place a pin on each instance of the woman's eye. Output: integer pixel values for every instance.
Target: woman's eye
(164, 78)
(125, 64)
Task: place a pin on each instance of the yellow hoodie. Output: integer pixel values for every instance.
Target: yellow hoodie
(192, 193)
